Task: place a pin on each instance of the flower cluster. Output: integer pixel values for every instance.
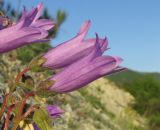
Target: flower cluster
(81, 61)
(77, 62)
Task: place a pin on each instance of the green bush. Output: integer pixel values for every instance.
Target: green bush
(145, 87)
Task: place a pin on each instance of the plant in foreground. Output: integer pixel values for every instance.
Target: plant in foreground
(75, 63)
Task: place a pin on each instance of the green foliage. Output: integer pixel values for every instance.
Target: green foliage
(7, 9)
(145, 87)
(95, 102)
(60, 18)
(27, 53)
(155, 121)
(41, 118)
(101, 119)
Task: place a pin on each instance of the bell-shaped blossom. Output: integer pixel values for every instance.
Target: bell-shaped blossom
(29, 29)
(85, 71)
(54, 111)
(72, 50)
(32, 18)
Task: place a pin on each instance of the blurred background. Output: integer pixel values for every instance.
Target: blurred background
(126, 101)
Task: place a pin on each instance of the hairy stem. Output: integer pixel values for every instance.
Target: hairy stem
(3, 105)
(21, 74)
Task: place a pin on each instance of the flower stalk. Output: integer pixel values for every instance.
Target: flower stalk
(19, 76)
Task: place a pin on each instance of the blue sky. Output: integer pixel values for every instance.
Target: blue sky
(132, 27)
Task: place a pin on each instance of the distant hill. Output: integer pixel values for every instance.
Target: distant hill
(100, 106)
(145, 87)
(129, 76)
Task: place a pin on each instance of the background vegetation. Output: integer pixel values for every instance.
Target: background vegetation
(145, 87)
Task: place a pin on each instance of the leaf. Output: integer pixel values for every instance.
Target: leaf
(42, 119)
(61, 17)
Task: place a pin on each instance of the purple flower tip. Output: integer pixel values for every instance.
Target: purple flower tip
(54, 111)
(35, 127)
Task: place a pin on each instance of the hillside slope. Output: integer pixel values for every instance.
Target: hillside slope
(101, 106)
(145, 87)
(129, 76)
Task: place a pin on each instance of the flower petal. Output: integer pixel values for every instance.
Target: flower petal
(18, 38)
(28, 30)
(66, 82)
(72, 51)
(44, 24)
(84, 29)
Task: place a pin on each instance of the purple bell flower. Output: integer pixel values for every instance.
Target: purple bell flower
(86, 70)
(35, 127)
(72, 50)
(26, 31)
(54, 111)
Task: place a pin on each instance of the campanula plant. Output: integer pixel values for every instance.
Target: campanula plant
(74, 63)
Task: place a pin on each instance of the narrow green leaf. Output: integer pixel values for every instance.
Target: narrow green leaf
(42, 119)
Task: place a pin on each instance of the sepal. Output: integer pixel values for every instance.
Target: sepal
(36, 63)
